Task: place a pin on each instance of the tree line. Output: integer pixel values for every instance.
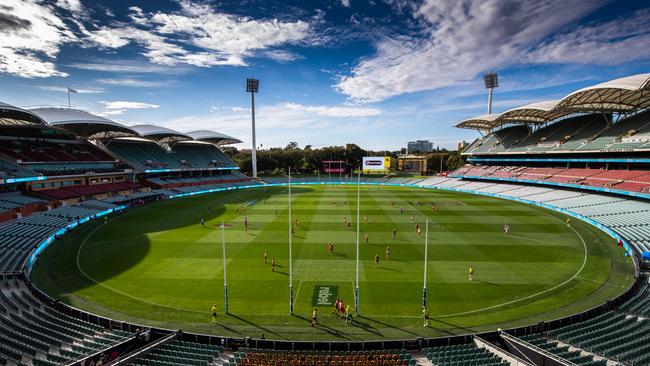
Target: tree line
(308, 160)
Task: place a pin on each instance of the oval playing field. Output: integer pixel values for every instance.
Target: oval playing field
(157, 265)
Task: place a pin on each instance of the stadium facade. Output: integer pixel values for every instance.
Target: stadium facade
(585, 155)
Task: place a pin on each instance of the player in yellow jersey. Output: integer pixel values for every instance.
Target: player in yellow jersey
(214, 313)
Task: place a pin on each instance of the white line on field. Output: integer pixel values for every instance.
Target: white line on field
(297, 292)
(584, 262)
(116, 290)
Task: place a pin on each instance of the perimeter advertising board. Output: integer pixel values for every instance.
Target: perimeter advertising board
(376, 163)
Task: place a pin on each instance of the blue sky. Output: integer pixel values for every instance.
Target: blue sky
(376, 73)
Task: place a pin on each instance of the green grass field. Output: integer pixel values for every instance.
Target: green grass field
(156, 265)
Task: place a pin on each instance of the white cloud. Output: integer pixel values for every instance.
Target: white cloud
(117, 105)
(335, 111)
(114, 108)
(280, 56)
(619, 40)
(73, 6)
(136, 83)
(200, 36)
(31, 35)
(64, 89)
(280, 123)
(129, 67)
(137, 15)
(345, 3)
(466, 38)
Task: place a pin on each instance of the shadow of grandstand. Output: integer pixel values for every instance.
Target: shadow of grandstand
(108, 251)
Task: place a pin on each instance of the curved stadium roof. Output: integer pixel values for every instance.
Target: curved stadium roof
(83, 123)
(213, 137)
(618, 95)
(540, 112)
(160, 134)
(14, 116)
(484, 122)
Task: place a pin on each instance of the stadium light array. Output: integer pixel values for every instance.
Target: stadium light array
(253, 86)
(491, 81)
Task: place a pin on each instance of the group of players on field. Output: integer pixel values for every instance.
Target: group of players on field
(340, 309)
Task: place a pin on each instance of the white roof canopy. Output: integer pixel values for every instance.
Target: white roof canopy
(540, 112)
(484, 122)
(14, 116)
(618, 95)
(160, 134)
(83, 123)
(621, 95)
(213, 137)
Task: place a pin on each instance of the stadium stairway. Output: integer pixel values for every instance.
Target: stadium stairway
(617, 337)
(31, 333)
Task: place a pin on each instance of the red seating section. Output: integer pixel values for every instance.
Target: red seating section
(79, 191)
(627, 180)
(42, 151)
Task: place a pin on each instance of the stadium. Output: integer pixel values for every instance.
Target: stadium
(180, 241)
(113, 238)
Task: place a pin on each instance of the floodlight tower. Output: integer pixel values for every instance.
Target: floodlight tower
(253, 86)
(491, 81)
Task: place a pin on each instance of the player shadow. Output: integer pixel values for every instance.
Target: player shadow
(389, 326)
(280, 272)
(392, 269)
(434, 319)
(365, 326)
(325, 328)
(267, 330)
(488, 283)
(227, 328)
(341, 254)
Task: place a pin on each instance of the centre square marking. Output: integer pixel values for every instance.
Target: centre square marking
(324, 295)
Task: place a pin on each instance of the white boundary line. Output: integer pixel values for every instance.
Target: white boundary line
(116, 290)
(584, 262)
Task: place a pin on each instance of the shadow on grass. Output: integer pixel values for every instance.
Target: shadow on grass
(365, 326)
(488, 283)
(227, 328)
(243, 320)
(433, 319)
(389, 325)
(392, 269)
(325, 328)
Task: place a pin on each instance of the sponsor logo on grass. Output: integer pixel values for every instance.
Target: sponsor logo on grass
(324, 295)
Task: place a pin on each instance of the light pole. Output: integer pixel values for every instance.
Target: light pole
(253, 86)
(491, 81)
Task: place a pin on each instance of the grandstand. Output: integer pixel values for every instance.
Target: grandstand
(584, 155)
